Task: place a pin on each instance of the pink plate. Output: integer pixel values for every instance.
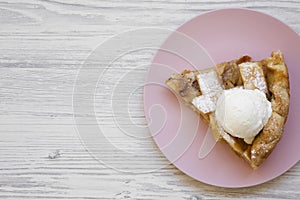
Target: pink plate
(207, 39)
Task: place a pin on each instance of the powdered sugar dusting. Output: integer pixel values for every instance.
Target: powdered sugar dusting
(211, 89)
(253, 76)
(204, 103)
(209, 83)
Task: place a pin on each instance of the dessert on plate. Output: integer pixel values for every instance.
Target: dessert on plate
(245, 102)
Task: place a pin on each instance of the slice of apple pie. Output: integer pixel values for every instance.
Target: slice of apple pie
(245, 102)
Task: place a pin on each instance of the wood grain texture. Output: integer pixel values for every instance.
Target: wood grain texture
(43, 43)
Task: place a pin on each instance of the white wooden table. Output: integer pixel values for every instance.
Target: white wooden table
(43, 44)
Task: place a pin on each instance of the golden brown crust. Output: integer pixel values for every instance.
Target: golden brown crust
(265, 142)
(278, 84)
(276, 76)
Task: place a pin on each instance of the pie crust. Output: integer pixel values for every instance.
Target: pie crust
(275, 73)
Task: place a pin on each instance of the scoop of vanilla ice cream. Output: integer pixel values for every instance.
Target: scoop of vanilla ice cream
(243, 113)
